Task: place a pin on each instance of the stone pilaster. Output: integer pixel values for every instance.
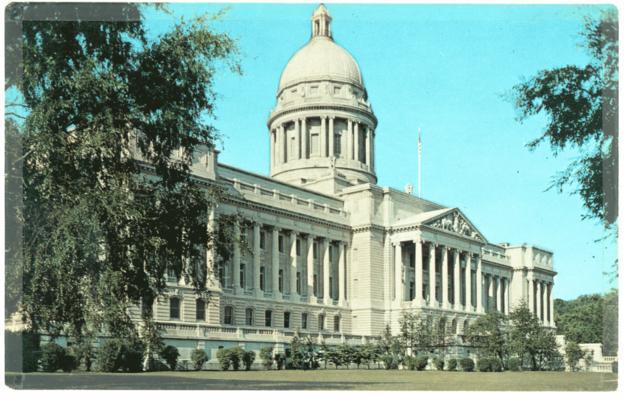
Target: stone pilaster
(293, 240)
(468, 282)
(432, 275)
(445, 298)
(326, 266)
(256, 258)
(236, 259)
(480, 294)
(419, 273)
(275, 262)
(457, 280)
(310, 267)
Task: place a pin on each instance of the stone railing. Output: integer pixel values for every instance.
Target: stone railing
(293, 200)
(217, 332)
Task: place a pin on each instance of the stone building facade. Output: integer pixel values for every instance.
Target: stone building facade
(333, 254)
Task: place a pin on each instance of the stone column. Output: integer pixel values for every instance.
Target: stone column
(373, 151)
(298, 139)
(537, 299)
(282, 150)
(326, 273)
(331, 136)
(236, 259)
(499, 295)
(305, 139)
(210, 253)
(310, 267)
(506, 296)
(342, 272)
(551, 305)
(457, 280)
(445, 299)
(419, 273)
(368, 148)
(275, 262)
(349, 142)
(323, 134)
(468, 282)
(480, 295)
(531, 292)
(357, 143)
(256, 258)
(272, 148)
(293, 239)
(432, 275)
(544, 288)
(398, 271)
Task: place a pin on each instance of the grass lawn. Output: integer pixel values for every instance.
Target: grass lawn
(321, 380)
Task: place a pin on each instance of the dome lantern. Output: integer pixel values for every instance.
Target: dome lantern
(320, 23)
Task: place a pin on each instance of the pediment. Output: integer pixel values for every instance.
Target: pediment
(455, 221)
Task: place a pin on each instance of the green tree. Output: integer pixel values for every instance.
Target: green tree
(533, 344)
(573, 354)
(581, 105)
(488, 336)
(94, 95)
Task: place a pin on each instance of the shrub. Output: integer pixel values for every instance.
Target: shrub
(235, 354)
(223, 356)
(280, 360)
(421, 362)
(467, 364)
(496, 365)
(439, 363)
(109, 356)
(52, 356)
(484, 364)
(513, 364)
(267, 357)
(452, 364)
(248, 358)
(198, 358)
(410, 363)
(157, 365)
(83, 353)
(170, 355)
(68, 363)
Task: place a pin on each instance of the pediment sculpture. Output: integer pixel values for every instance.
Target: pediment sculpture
(454, 222)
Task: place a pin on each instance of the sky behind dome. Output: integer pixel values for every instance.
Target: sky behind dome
(449, 70)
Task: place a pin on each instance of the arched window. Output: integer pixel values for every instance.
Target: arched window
(249, 316)
(228, 315)
(174, 308)
(200, 310)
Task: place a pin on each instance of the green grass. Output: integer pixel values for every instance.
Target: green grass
(323, 380)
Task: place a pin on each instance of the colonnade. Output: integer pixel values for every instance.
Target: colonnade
(319, 277)
(447, 278)
(540, 299)
(355, 142)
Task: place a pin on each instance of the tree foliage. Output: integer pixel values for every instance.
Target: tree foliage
(581, 105)
(534, 345)
(487, 334)
(100, 229)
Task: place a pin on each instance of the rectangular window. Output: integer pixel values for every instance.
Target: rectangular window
(228, 315)
(315, 291)
(280, 280)
(242, 275)
(268, 318)
(200, 310)
(286, 319)
(171, 275)
(281, 244)
(320, 322)
(297, 247)
(305, 318)
(337, 323)
(262, 240)
(146, 307)
(298, 283)
(174, 308)
(249, 316)
(314, 250)
(262, 278)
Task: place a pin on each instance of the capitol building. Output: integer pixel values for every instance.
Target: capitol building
(333, 254)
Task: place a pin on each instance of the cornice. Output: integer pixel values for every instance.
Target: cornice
(366, 113)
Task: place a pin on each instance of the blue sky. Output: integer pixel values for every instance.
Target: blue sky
(449, 70)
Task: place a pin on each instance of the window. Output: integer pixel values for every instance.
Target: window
(221, 276)
(297, 247)
(411, 290)
(286, 319)
(146, 307)
(298, 283)
(262, 278)
(281, 243)
(228, 315)
(330, 287)
(171, 275)
(337, 323)
(315, 285)
(262, 240)
(280, 280)
(305, 320)
(268, 318)
(174, 308)
(242, 275)
(314, 250)
(200, 310)
(249, 316)
(320, 322)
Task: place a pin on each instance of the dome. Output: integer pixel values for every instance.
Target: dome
(319, 59)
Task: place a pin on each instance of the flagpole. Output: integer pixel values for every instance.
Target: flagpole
(419, 162)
